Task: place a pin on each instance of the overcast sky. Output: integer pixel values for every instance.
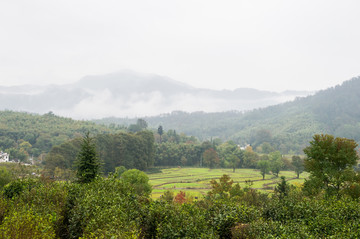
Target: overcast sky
(264, 44)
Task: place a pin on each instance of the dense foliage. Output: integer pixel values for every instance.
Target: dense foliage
(140, 151)
(116, 207)
(25, 135)
(114, 150)
(120, 206)
(331, 162)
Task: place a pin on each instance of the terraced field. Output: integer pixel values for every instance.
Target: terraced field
(195, 181)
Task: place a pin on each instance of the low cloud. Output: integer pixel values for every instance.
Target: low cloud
(128, 94)
(103, 104)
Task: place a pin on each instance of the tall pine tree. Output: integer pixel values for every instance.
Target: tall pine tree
(88, 165)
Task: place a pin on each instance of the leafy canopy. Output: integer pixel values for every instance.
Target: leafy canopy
(138, 180)
(330, 161)
(264, 167)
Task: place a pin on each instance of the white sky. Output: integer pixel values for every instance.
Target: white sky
(264, 44)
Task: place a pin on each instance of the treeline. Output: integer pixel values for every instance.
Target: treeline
(25, 135)
(224, 155)
(131, 150)
(140, 149)
(179, 150)
(145, 149)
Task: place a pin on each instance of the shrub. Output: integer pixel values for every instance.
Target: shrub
(180, 198)
(48, 199)
(5, 177)
(223, 216)
(171, 220)
(317, 218)
(138, 180)
(168, 196)
(16, 187)
(27, 224)
(104, 208)
(3, 208)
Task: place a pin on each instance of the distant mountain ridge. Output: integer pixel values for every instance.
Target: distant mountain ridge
(130, 94)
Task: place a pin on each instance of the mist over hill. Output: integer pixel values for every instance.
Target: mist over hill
(130, 94)
(287, 126)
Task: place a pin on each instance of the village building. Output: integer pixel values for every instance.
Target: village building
(4, 157)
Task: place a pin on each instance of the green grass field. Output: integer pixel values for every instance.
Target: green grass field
(196, 181)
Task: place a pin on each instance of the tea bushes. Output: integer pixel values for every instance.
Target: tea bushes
(26, 223)
(103, 208)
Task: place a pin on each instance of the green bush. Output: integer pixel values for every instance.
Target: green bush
(25, 223)
(104, 208)
(138, 180)
(48, 199)
(45, 199)
(4, 207)
(318, 218)
(170, 220)
(18, 186)
(224, 215)
(263, 229)
(5, 177)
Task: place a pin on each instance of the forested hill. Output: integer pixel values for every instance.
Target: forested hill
(288, 126)
(24, 134)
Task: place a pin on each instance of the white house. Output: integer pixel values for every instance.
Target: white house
(244, 147)
(4, 157)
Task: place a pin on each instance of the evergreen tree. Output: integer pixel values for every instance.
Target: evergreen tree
(88, 164)
(282, 188)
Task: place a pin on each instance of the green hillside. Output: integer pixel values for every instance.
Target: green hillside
(288, 126)
(23, 134)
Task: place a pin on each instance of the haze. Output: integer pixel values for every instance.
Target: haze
(269, 45)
